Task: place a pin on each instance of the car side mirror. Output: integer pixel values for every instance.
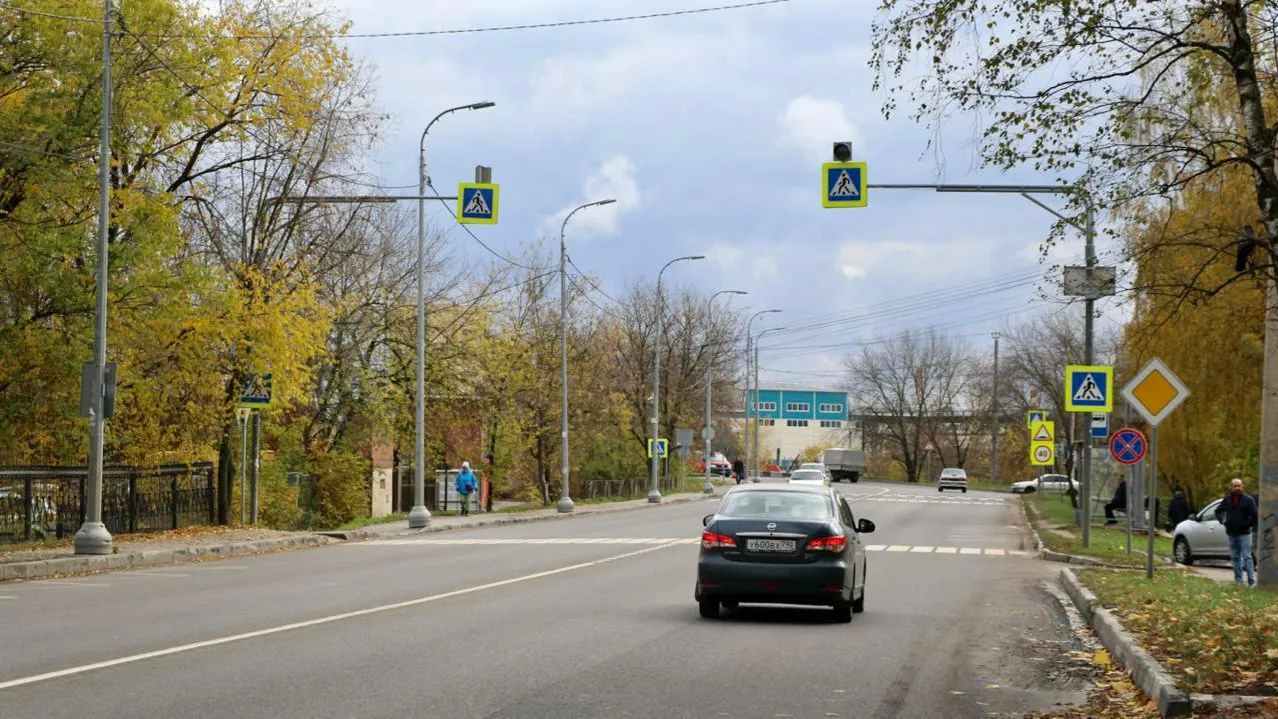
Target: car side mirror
(705, 521)
(864, 526)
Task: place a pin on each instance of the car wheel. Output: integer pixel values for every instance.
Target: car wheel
(965, 490)
(858, 604)
(1182, 552)
(709, 608)
(843, 612)
(940, 489)
(730, 604)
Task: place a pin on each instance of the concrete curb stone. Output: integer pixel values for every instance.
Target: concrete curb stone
(1148, 674)
(150, 557)
(74, 565)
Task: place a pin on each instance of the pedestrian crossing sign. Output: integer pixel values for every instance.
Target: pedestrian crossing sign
(477, 203)
(662, 448)
(843, 184)
(1089, 389)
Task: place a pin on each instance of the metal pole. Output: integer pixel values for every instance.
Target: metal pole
(93, 537)
(243, 466)
(1088, 357)
(565, 501)
(256, 467)
(750, 405)
(419, 515)
(708, 433)
(1266, 558)
(654, 494)
(1127, 421)
(994, 419)
(1150, 495)
(756, 406)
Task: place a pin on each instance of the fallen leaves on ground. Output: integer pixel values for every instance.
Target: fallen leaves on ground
(1212, 637)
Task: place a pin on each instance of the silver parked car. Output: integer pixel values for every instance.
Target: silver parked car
(1045, 483)
(1202, 537)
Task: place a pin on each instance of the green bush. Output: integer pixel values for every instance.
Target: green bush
(341, 488)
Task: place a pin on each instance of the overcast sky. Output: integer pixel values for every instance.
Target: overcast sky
(709, 131)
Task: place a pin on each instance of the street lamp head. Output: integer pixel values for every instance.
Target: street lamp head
(697, 257)
(481, 105)
(608, 201)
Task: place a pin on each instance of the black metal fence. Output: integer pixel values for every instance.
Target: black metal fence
(626, 488)
(49, 502)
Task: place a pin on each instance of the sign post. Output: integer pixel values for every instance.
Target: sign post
(1154, 392)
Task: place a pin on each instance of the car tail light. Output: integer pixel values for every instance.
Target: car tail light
(828, 544)
(710, 540)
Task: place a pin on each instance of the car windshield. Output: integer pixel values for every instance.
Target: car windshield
(776, 505)
(953, 473)
(808, 474)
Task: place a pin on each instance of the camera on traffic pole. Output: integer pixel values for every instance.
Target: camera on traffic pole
(843, 151)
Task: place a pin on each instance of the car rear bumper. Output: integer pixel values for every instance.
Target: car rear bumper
(950, 484)
(757, 582)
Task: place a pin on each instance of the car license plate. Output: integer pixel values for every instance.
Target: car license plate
(770, 545)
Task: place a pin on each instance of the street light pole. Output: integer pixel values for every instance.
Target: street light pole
(756, 394)
(419, 515)
(565, 501)
(654, 494)
(994, 418)
(749, 383)
(708, 433)
(93, 537)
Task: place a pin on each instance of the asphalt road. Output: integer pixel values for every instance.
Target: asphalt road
(587, 617)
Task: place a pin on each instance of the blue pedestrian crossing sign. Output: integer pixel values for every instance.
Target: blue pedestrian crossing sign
(1034, 416)
(663, 449)
(1089, 389)
(843, 184)
(477, 203)
(257, 391)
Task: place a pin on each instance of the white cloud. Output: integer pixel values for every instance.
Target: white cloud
(894, 259)
(615, 179)
(809, 124)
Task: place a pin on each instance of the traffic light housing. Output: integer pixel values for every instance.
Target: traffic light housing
(843, 151)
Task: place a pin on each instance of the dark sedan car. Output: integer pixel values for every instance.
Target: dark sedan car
(782, 544)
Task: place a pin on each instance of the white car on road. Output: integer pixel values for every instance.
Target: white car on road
(809, 476)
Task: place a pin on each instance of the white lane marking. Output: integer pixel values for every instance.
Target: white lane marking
(221, 567)
(53, 583)
(8, 597)
(995, 552)
(969, 550)
(541, 541)
(899, 548)
(875, 547)
(149, 574)
(84, 668)
(947, 550)
(921, 550)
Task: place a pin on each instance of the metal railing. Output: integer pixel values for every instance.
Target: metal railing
(40, 502)
(625, 488)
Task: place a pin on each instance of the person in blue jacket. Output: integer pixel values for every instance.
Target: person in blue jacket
(466, 486)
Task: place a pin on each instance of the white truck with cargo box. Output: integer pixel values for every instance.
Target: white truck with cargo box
(843, 464)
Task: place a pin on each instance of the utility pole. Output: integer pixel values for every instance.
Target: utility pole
(749, 381)
(93, 537)
(708, 432)
(565, 505)
(994, 419)
(1266, 561)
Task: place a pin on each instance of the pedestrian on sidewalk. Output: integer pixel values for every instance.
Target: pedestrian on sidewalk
(738, 468)
(466, 485)
(1237, 512)
(1119, 501)
(1178, 511)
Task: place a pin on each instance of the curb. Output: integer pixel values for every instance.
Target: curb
(87, 564)
(513, 518)
(1051, 555)
(1148, 674)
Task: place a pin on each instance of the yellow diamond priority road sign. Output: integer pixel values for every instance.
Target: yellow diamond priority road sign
(1155, 392)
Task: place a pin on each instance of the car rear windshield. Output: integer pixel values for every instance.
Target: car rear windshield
(776, 505)
(807, 474)
(955, 473)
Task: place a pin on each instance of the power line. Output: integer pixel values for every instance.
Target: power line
(482, 244)
(591, 282)
(429, 33)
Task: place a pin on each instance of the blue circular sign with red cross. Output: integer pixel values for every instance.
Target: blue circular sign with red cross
(1127, 446)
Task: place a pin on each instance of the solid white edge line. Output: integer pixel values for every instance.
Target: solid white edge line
(84, 668)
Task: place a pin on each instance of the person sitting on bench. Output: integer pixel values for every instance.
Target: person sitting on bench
(1118, 502)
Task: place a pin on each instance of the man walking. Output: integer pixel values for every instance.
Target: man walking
(466, 485)
(1237, 512)
(738, 469)
(1118, 502)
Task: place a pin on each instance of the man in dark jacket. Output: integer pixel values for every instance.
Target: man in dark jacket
(1177, 511)
(1237, 512)
(1118, 502)
(738, 468)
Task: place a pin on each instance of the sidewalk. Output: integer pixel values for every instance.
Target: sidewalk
(195, 544)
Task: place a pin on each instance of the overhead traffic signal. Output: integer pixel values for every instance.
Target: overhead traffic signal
(843, 151)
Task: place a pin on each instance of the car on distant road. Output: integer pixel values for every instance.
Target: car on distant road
(719, 465)
(952, 478)
(1045, 483)
(1203, 537)
(782, 544)
(819, 466)
(843, 464)
(809, 476)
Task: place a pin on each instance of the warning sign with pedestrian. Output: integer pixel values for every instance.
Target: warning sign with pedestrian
(843, 184)
(477, 203)
(1089, 389)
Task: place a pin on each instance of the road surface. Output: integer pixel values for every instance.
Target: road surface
(585, 617)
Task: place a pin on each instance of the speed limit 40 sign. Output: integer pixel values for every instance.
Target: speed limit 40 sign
(1042, 454)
